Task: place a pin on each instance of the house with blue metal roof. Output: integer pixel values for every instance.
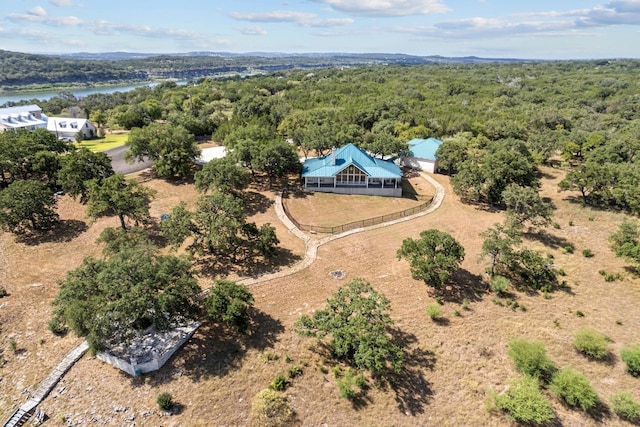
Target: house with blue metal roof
(351, 170)
(422, 154)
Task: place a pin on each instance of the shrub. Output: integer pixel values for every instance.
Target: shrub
(13, 345)
(525, 403)
(499, 284)
(568, 249)
(3, 292)
(348, 381)
(625, 406)
(574, 388)
(56, 327)
(294, 371)
(465, 304)
(270, 357)
(530, 358)
(591, 343)
(165, 401)
(269, 409)
(434, 311)
(279, 383)
(579, 313)
(631, 357)
(587, 253)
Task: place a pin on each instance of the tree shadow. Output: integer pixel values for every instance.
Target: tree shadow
(463, 285)
(257, 266)
(296, 193)
(65, 231)
(256, 203)
(549, 240)
(247, 263)
(412, 390)
(215, 351)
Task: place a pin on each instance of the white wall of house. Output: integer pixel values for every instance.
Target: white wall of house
(421, 164)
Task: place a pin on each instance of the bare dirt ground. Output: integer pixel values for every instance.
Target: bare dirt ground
(452, 366)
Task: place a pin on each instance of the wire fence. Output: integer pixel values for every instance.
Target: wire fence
(355, 224)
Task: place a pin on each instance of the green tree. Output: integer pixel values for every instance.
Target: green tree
(115, 195)
(452, 153)
(626, 241)
(81, 166)
(499, 245)
(229, 302)
(173, 148)
(30, 155)
(276, 159)
(222, 175)
(588, 178)
(357, 323)
(525, 206)
(99, 117)
(434, 257)
(112, 299)
(27, 206)
(218, 226)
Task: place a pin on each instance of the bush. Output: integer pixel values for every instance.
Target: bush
(499, 284)
(525, 403)
(348, 381)
(56, 327)
(294, 371)
(3, 292)
(269, 409)
(625, 406)
(587, 253)
(165, 401)
(434, 311)
(591, 343)
(531, 359)
(279, 383)
(631, 357)
(574, 388)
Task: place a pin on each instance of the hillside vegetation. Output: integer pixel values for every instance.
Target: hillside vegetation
(531, 315)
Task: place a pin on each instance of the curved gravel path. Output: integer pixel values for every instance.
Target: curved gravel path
(313, 243)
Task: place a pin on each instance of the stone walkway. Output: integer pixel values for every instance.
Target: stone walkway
(25, 411)
(313, 243)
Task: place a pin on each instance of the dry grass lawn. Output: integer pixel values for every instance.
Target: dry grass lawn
(452, 364)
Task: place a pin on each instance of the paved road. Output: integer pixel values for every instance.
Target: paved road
(121, 166)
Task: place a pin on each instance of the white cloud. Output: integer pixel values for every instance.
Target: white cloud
(387, 7)
(328, 23)
(252, 30)
(62, 3)
(275, 16)
(37, 11)
(301, 18)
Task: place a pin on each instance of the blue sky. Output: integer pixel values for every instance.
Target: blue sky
(560, 29)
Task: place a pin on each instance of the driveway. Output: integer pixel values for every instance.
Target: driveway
(121, 166)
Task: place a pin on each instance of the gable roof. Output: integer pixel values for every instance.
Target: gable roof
(21, 117)
(346, 156)
(424, 148)
(64, 124)
(8, 111)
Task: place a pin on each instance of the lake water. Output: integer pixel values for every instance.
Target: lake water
(79, 93)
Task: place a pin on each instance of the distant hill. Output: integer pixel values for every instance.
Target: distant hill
(21, 70)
